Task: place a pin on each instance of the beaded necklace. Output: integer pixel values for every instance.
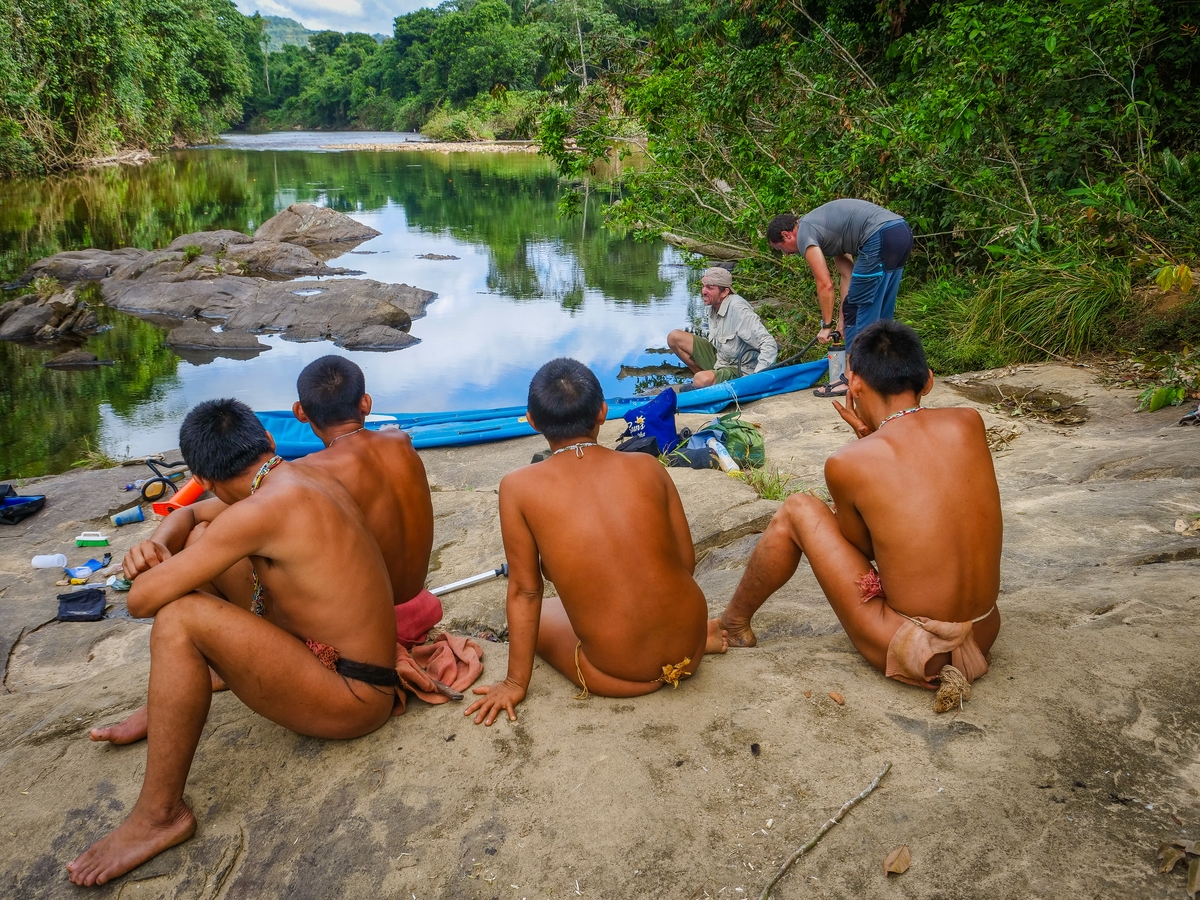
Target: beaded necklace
(897, 415)
(578, 448)
(256, 604)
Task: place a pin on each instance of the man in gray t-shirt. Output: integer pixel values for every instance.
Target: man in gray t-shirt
(869, 246)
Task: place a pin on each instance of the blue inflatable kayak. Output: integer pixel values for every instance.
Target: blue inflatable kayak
(477, 426)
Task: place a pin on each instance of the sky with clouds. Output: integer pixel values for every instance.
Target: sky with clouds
(368, 16)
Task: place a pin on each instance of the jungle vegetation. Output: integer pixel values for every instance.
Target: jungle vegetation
(1047, 155)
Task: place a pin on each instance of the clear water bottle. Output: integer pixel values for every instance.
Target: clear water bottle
(727, 463)
(50, 561)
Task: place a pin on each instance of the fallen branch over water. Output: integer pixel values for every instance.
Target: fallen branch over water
(812, 842)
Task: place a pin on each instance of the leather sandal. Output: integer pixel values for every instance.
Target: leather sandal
(836, 389)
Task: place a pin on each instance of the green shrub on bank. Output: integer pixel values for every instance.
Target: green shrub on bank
(509, 116)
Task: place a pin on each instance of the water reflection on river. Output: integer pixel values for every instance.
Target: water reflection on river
(526, 287)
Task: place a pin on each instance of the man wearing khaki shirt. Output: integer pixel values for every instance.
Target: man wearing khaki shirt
(737, 344)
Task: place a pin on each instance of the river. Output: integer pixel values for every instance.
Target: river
(527, 286)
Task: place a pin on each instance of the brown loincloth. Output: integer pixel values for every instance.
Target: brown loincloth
(919, 639)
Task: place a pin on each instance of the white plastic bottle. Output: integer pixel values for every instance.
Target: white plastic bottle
(50, 561)
(724, 460)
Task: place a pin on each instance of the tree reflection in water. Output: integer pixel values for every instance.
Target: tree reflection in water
(506, 203)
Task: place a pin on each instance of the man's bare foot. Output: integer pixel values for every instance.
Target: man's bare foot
(133, 729)
(129, 731)
(739, 634)
(137, 839)
(718, 640)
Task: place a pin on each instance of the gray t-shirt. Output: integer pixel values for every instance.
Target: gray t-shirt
(841, 226)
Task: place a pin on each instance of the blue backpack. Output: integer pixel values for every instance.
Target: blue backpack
(655, 419)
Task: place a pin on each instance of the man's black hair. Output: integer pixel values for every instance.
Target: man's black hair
(778, 225)
(564, 399)
(220, 439)
(888, 356)
(331, 389)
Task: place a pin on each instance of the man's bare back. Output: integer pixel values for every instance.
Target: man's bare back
(385, 476)
(609, 531)
(613, 539)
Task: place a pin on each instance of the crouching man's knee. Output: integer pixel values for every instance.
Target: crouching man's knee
(680, 340)
(704, 379)
(799, 511)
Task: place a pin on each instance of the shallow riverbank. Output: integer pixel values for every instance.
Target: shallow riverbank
(1081, 744)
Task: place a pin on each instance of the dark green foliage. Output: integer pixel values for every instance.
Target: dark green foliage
(1048, 156)
(85, 78)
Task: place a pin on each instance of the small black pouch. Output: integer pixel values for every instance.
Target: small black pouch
(644, 444)
(81, 606)
(698, 458)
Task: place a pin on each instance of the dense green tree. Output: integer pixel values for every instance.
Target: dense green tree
(83, 78)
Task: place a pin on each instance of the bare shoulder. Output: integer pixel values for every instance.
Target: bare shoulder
(396, 439)
(964, 420)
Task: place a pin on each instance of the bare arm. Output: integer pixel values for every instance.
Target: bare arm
(169, 537)
(524, 611)
(840, 477)
(844, 263)
(241, 532)
(825, 291)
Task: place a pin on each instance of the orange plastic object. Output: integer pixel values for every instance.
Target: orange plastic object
(185, 496)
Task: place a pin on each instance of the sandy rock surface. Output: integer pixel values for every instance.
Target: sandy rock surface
(1077, 755)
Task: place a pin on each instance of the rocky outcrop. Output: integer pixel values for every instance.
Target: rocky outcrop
(81, 265)
(306, 224)
(254, 257)
(233, 278)
(198, 336)
(51, 319)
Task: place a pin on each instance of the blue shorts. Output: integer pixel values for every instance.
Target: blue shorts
(876, 278)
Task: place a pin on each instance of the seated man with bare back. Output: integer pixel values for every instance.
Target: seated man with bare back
(382, 472)
(609, 531)
(917, 494)
(314, 652)
(385, 476)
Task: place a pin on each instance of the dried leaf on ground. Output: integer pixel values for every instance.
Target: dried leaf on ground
(1000, 436)
(897, 861)
(837, 698)
(1193, 879)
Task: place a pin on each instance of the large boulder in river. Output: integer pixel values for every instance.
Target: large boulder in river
(377, 337)
(306, 224)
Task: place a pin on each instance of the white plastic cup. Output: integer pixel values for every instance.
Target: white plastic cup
(50, 561)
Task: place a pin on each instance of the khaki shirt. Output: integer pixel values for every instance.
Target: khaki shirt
(741, 339)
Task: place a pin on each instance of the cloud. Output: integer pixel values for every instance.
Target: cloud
(368, 16)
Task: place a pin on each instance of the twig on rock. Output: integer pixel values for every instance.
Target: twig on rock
(812, 842)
